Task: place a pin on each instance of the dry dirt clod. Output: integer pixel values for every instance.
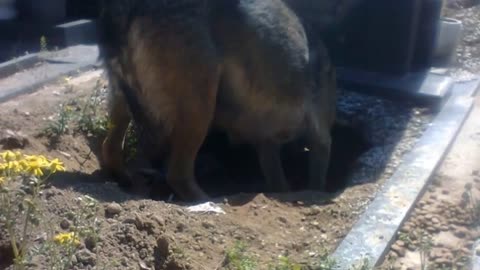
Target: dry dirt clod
(113, 209)
(443, 262)
(129, 220)
(86, 257)
(315, 224)
(432, 229)
(65, 224)
(208, 224)
(461, 233)
(74, 259)
(435, 254)
(406, 229)
(160, 221)
(411, 247)
(282, 220)
(400, 251)
(10, 140)
(143, 253)
(90, 243)
(181, 227)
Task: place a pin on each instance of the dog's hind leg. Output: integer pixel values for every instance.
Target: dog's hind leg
(112, 147)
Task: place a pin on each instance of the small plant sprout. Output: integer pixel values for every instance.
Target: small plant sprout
(237, 259)
(43, 44)
(425, 244)
(284, 263)
(363, 265)
(326, 262)
(59, 126)
(91, 121)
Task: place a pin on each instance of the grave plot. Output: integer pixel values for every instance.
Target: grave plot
(65, 119)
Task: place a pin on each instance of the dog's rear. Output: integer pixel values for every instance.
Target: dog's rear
(162, 63)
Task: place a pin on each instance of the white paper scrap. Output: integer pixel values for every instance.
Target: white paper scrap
(208, 207)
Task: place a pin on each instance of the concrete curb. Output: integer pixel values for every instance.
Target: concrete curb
(424, 88)
(15, 65)
(376, 229)
(476, 256)
(67, 62)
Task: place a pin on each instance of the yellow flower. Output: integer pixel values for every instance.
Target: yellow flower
(37, 158)
(14, 166)
(68, 108)
(8, 156)
(24, 164)
(18, 155)
(2, 180)
(66, 238)
(35, 164)
(3, 166)
(35, 168)
(56, 165)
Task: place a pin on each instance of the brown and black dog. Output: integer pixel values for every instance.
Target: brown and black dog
(181, 67)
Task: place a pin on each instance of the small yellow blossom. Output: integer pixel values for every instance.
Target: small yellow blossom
(3, 166)
(35, 164)
(68, 108)
(39, 158)
(23, 164)
(8, 156)
(18, 155)
(56, 165)
(35, 168)
(66, 238)
(16, 162)
(14, 166)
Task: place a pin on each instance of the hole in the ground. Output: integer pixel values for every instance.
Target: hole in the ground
(224, 169)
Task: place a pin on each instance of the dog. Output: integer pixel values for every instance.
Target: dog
(178, 68)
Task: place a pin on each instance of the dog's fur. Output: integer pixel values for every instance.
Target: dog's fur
(180, 67)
